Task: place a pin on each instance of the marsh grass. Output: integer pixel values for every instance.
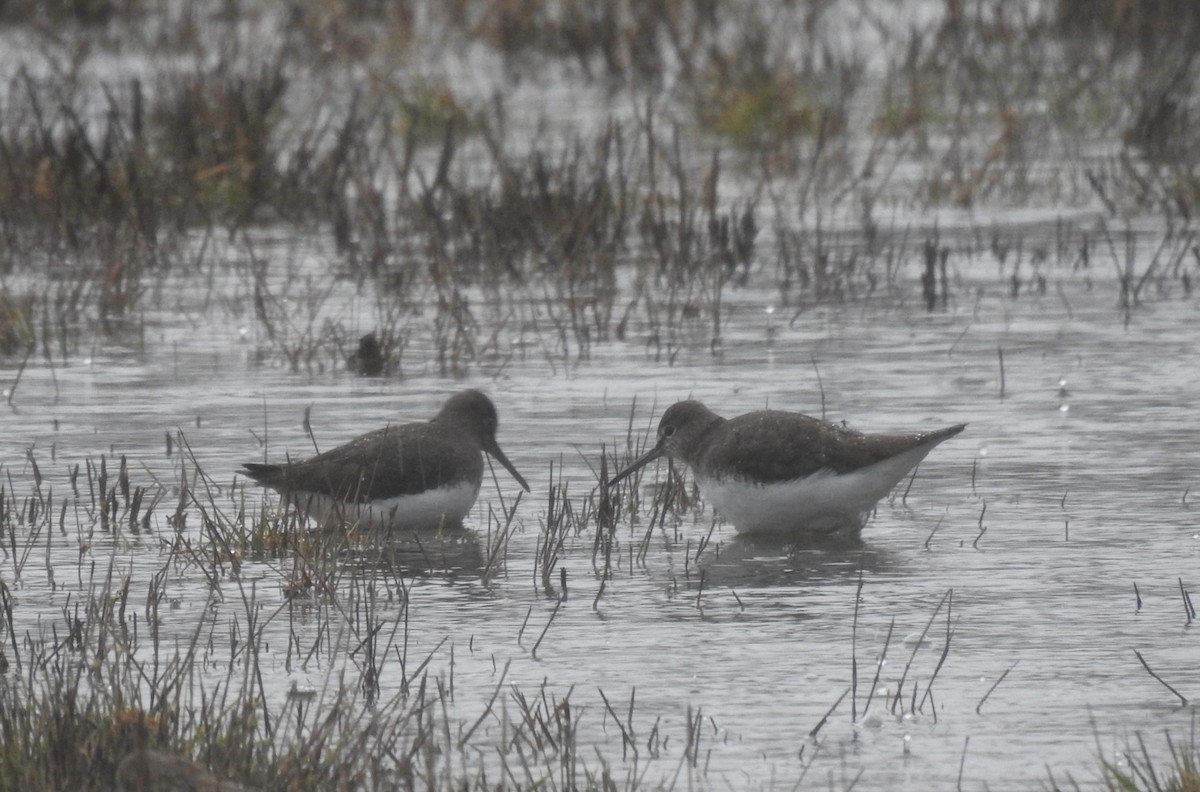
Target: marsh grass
(117, 673)
(649, 507)
(1140, 769)
(743, 165)
(747, 159)
(178, 652)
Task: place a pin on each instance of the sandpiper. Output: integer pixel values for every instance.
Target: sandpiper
(780, 472)
(417, 475)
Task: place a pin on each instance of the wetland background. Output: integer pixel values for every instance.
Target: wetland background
(900, 215)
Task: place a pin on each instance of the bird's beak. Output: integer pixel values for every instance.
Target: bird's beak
(644, 459)
(494, 450)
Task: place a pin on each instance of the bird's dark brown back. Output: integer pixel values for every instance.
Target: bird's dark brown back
(771, 446)
(386, 463)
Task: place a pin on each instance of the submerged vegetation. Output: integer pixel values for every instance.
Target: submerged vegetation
(168, 671)
(406, 188)
(697, 147)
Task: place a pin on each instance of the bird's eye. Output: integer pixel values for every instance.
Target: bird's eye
(668, 431)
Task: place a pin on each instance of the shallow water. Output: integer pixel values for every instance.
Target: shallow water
(1079, 472)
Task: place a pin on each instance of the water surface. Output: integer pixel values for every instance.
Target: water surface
(1029, 530)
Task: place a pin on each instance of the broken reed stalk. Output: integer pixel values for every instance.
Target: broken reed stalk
(627, 740)
(1183, 699)
(1000, 354)
(824, 718)
(691, 749)
(503, 535)
(941, 660)
(1188, 611)
(556, 526)
(948, 596)
(487, 709)
(703, 543)
(658, 517)
(995, 685)
(406, 682)
(524, 624)
(606, 520)
(854, 645)
(962, 762)
(929, 538)
(545, 629)
(879, 666)
(599, 594)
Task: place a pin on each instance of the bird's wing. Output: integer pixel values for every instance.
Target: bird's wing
(388, 463)
(773, 446)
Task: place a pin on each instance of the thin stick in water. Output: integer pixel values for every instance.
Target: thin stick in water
(854, 644)
(879, 666)
(1161, 681)
(962, 762)
(557, 605)
(982, 527)
(937, 668)
(931, 533)
(1188, 610)
(917, 646)
(825, 717)
(1000, 353)
(521, 631)
(995, 685)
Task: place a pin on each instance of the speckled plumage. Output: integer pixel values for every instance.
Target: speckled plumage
(772, 471)
(435, 467)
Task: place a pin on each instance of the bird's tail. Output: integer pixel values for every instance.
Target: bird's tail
(932, 438)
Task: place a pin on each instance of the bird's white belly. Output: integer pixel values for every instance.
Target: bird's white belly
(432, 509)
(810, 504)
(820, 503)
